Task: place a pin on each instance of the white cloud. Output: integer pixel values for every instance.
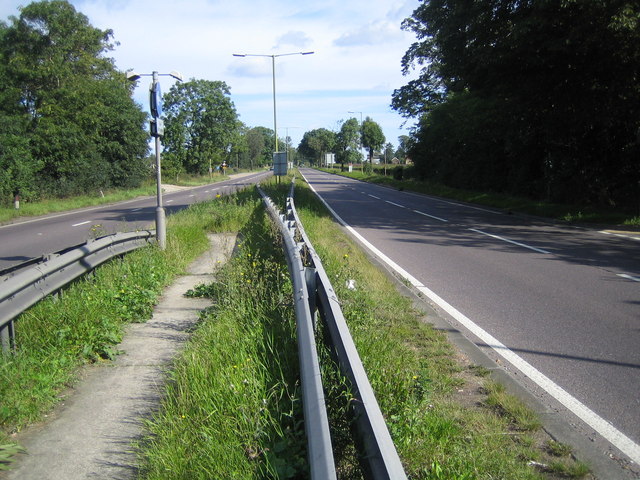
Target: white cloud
(294, 39)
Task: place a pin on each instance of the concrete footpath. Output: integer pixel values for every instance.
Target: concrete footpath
(90, 435)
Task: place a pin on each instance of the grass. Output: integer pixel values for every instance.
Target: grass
(578, 214)
(232, 406)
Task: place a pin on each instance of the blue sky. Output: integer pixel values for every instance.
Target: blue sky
(358, 47)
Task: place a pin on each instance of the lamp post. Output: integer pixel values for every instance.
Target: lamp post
(157, 130)
(286, 139)
(273, 75)
(361, 163)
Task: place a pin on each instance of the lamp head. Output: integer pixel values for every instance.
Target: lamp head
(133, 76)
(176, 75)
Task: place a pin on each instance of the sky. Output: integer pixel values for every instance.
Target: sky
(358, 46)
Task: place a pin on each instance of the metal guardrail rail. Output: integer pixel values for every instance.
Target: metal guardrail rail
(29, 286)
(313, 291)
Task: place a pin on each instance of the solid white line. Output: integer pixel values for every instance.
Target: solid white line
(81, 223)
(539, 250)
(395, 204)
(373, 196)
(629, 277)
(599, 424)
(431, 216)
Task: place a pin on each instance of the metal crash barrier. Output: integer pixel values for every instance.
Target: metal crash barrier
(21, 290)
(313, 292)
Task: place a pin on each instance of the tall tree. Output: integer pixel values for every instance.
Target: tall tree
(537, 97)
(73, 106)
(348, 142)
(372, 137)
(200, 124)
(316, 143)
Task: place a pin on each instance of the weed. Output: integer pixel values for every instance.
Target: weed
(557, 449)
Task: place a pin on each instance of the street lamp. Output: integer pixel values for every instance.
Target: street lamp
(273, 74)
(362, 163)
(286, 139)
(157, 130)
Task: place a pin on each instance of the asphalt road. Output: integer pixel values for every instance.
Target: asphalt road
(30, 238)
(565, 301)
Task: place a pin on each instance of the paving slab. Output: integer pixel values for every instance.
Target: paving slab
(90, 435)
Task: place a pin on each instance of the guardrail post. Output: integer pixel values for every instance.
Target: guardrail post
(311, 280)
(7, 338)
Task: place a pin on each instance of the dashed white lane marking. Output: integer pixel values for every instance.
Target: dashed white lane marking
(431, 216)
(373, 196)
(497, 237)
(136, 209)
(395, 204)
(169, 201)
(81, 223)
(595, 421)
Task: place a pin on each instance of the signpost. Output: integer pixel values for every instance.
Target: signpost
(156, 127)
(280, 164)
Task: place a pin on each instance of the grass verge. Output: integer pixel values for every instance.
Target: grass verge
(575, 214)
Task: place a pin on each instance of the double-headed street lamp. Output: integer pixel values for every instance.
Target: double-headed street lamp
(157, 130)
(273, 73)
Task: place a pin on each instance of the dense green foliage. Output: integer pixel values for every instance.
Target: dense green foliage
(315, 143)
(372, 137)
(67, 121)
(534, 97)
(200, 125)
(348, 142)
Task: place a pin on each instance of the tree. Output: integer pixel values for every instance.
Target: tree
(200, 124)
(372, 137)
(316, 143)
(403, 147)
(71, 107)
(537, 97)
(348, 142)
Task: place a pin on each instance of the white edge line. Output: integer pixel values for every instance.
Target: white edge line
(629, 277)
(81, 223)
(599, 424)
(539, 250)
(431, 216)
(619, 235)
